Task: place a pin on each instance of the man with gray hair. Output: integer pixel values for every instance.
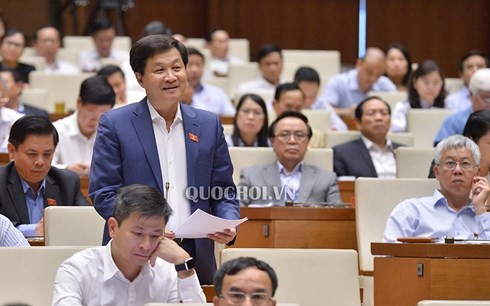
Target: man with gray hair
(457, 209)
(480, 99)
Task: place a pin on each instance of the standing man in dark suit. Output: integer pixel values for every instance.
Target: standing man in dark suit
(169, 146)
(373, 154)
(13, 86)
(28, 184)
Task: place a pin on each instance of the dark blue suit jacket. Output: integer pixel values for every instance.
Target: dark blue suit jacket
(353, 159)
(125, 153)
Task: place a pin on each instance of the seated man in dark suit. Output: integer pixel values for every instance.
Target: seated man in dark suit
(373, 154)
(28, 184)
(13, 86)
(289, 179)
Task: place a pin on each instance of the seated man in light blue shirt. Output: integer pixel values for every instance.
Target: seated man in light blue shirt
(206, 97)
(467, 66)
(480, 99)
(457, 209)
(346, 90)
(288, 179)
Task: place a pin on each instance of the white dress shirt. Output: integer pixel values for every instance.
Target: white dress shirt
(459, 100)
(173, 164)
(91, 278)
(383, 158)
(259, 84)
(61, 67)
(73, 147)
(90, 60)
(9, 235)
(7, 118)
(221, 66)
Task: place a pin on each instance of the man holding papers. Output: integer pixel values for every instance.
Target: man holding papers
(138, 266)
(167, 145)
(457, 209)
(288, 179)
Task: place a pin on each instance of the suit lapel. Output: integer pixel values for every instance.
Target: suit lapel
(17, 196)
(143, 126)
(306, 183)
(52, 192)
(192, 131)
(270, 175)
(367, 158)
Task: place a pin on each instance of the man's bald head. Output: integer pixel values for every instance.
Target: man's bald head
(370, 68)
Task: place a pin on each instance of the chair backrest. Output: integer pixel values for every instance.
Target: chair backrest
(334, 138)
(240, 73)
(35, 97)
(266, 95)
(391, 97)
(69, 55)
(222, 83)
(28, 273)
(240, 47)
(425, 123)
(197, 43)
(324, 61)
(413, 162)
(86, 42)
(242, 157)
(61, 87)
(37, 61)
(319, 119)
(227, 129)
(309, 276)
(452, 303)
(453, 84)
(72, 226)
(375, 199)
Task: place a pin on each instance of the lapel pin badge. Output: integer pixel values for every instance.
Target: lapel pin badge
(51, 202)
(193, 137)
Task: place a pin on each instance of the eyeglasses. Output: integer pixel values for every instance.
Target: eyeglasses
(451, 165)
(238, 298)
(255, 113)
(12, 44)
(285, 136)
(485, 100)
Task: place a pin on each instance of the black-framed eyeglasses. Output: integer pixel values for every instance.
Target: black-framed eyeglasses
(238, 297)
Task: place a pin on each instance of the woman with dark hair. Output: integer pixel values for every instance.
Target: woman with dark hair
(425, 90)
(398, 66)
(11, 48)
(250, 123)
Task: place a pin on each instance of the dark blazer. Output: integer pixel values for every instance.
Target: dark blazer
(353, 159)
(125, 153)
(23, 69)
(35, 111)
(63, 186)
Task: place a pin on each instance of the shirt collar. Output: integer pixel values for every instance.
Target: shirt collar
(199, 88)
(26, 186)
(439, 199)
(369, 144)
(296, 169)
(110, 268)
(156, 116)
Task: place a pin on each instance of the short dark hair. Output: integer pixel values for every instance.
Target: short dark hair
(142, 200)
(359, 108)
(31, 125)
(194, 51)
(156, 27)
(45, 26)
(96, 90)
(266, 50)
(15, 74)
(470, 54)
(100, 25)
(280, 89)
(109, 70)
(208, 36)
(289, 114)
(239, 264)
(307, 74)
(148, 46)
(11, 32)
(477, 125)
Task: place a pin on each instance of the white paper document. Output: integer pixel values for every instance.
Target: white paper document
(200, 223)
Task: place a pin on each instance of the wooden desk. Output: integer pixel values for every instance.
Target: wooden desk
(347, 191)
(350, 122)
(422, 271)
(297, 227)
(84, 182)
(227, 120)
(36, 241)
(4, 159)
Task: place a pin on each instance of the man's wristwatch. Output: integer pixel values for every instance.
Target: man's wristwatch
(188, 264)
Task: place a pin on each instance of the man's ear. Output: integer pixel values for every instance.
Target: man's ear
(112, 224)
(11, 151)
(139, 78)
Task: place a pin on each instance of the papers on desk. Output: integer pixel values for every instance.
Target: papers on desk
(200, 223)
